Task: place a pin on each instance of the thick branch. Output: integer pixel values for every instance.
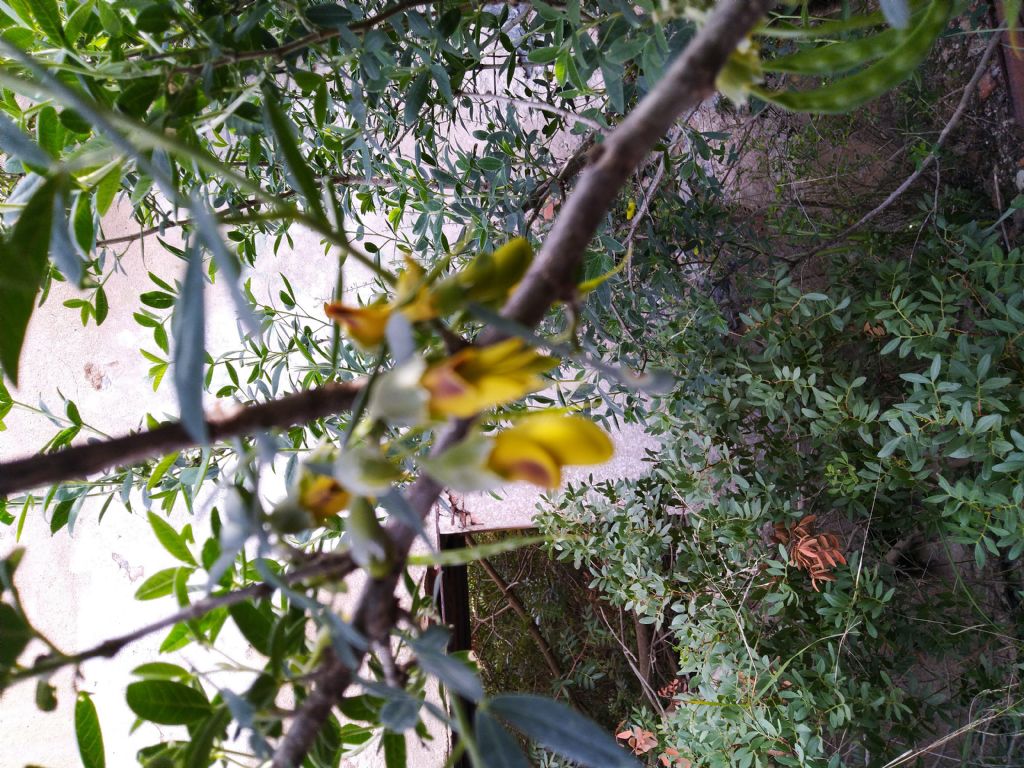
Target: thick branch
(689, 81)
(550, 278)
(82, 460)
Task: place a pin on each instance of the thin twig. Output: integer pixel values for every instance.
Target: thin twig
(83, 460)
(539, 106)
(517, 605)
(335, 566)
(224, 216)
(958, 113)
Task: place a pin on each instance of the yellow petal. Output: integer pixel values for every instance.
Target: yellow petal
(512, 260)
(322, 495)
(569, 439)
(412, 297)
(516, 457)
(364, 324)
(450, 394)
(475, 379)
(511, 355)
(420, 308)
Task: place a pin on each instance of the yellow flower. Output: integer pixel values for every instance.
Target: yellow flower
(477, 378)
(412, 296)
(322, 495)
(367, 325)
(487, 279)
(536, 449)
(364, 324)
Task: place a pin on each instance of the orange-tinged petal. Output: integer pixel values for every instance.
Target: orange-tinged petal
(450, 394)
(569, 439)
(475, 379)
(364, 324)
(515, 457)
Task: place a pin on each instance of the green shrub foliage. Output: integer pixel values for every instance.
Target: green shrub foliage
(882, 396)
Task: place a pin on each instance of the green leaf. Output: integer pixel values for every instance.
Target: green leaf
(157, 299)
(160, 584)
(455, 675)
(298, 168)
(63, 251)
(364, 708)
(61, 515)
(110, 19)
(171, 540)
(394, 750)
(838, 57)
(190, 349)
(166, 702)
(88, 733)
(329, 15)
(16, 142)
(154, 19)
(255, 624)
(161, 469)
(560, 729)
(47, 15)
(46, 696)
(543, 55)
(107, 188)
(74, 122)
(400, 713)
(850, 92)
(890, 447)
(415, 96)
(499, 745)
(613, 87)
(78, 21)
(197, 754)
(22, 269)
(136, 97)
(466, 555)
(162, 670)
(15, 634)
(102, 307)
(49, 131)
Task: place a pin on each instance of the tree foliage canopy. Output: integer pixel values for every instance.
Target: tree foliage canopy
(425, 141)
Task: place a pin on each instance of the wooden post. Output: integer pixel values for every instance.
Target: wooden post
(454, 595)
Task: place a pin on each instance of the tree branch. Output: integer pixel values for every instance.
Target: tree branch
(335, 566)
(689, 81)
(224, 216)
(82, 460)
(932, 156)
(520, 610)
(321, 36)
(550, 278)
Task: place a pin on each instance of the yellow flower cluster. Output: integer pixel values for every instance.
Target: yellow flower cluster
(487, 279)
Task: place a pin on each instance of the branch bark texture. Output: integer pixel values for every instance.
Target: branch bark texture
(82, 460)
